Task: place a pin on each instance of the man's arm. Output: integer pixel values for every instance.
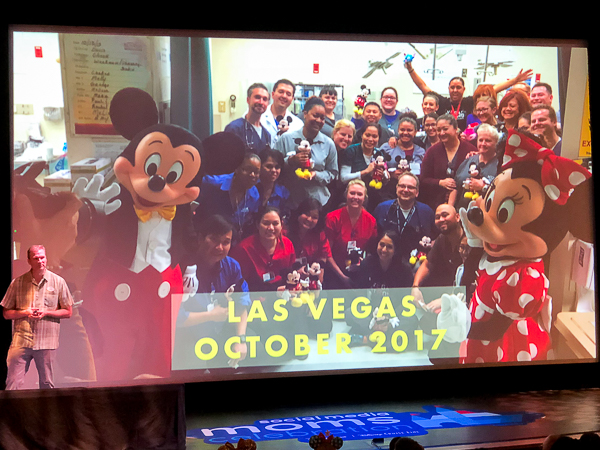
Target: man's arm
(64, 312)
(12, 314)
(421, 274)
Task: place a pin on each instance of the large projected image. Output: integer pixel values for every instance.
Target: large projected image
(343, 218)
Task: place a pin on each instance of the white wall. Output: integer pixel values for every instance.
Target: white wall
(237, 63)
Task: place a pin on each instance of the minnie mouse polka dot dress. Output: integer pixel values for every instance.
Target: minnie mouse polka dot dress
(515, 289)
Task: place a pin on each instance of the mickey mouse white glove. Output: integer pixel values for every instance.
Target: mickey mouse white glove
(190, 283)
(100, 198)
(455, 318)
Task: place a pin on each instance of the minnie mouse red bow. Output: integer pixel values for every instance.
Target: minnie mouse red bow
(560, 175)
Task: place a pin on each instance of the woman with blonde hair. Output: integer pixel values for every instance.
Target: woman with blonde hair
(342, 134)
(349, 228)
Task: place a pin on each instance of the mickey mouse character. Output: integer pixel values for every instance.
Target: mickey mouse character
(306, 172)
(474, 174)
(361, 100)
(524, 215)
(283, 124)
(131, 285)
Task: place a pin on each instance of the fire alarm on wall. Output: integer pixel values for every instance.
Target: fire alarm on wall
(315, 68)
(38, 51)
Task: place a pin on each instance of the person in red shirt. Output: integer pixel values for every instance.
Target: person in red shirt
(265, 254)
(307, 232)
(348, 228)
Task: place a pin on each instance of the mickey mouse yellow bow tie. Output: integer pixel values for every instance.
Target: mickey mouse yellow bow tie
(166, 212)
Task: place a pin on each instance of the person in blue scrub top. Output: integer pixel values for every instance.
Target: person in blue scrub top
(249, 128)
(233, 195)
(206, 314)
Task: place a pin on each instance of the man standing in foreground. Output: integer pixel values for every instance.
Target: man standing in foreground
(35, 302)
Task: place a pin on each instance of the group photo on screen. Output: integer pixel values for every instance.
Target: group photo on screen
(419, 205)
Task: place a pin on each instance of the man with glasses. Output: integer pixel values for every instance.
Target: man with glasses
(411, 219)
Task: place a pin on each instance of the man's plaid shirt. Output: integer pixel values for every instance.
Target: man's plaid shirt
(50, 294)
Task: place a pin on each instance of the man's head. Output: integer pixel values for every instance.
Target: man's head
(283, 93)
(541, 94)
(36, 257)
(407, 190)
(456, 89)
(371, 113)
(447, 220)
(258, 98)
(543, 120)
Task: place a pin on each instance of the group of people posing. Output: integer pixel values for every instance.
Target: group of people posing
(363, 203)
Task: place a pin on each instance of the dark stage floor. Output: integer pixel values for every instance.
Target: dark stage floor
(517, 420)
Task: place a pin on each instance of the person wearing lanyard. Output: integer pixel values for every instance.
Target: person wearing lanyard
(457, 104)
(249, 128)
(406, 216)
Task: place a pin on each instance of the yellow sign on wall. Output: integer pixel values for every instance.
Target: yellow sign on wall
(585, 143)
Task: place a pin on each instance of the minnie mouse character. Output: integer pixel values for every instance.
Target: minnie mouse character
(524, 215)
(380, 174)
(132, 281)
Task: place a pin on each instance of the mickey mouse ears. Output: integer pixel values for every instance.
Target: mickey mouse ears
(131, 111)
(224, 152)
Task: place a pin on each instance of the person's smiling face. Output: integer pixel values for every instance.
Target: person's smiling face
(342, 138)
(456, 90)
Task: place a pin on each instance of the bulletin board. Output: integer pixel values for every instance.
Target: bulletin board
(95, 67)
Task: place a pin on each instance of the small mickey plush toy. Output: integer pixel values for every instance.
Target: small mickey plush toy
(292, 287)
(282, 124)
(314, 272)
(527, 211)
(474, 174)
(420, 253)
(305, 172)
(361, 100)
(403, 165)
(131, 284)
